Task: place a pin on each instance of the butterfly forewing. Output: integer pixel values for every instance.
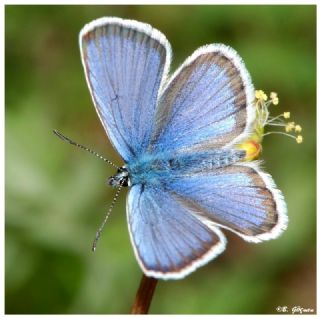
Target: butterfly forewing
(125, 62)
(207, 103)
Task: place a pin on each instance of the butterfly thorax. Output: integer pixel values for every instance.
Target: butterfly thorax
(163, 167)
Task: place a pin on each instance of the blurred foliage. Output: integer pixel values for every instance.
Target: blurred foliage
(56, 195)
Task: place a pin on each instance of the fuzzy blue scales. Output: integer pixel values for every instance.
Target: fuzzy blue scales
(159, 169)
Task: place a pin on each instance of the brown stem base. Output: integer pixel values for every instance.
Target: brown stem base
(144, 295)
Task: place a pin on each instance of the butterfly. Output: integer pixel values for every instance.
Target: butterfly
(178, 137)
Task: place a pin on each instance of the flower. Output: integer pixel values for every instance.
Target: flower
(260, 95)
(274, 98)
(297, 128)
(252, 145)
(289, 126)
(273, 95)
(252, 149)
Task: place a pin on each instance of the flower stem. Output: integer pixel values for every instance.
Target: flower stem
(144, 295)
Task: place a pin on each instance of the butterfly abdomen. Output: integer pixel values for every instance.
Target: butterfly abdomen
(206, 161)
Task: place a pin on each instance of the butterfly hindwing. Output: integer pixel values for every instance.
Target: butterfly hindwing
(168, 240)
(125, 62)
(239, 197)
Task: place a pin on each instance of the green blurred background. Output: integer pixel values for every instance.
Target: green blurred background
(56, 195)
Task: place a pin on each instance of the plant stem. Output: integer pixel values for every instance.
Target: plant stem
(144, 295)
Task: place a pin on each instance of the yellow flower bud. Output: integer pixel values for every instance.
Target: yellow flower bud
(298, 128)
(289, 126)
(275, 101)
(286, 115)
(260, 95)
(273, 95)
(274, 98)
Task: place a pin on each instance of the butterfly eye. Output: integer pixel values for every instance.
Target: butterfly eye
(121, 178)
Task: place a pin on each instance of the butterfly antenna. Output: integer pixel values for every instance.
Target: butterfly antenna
(98, 234)
(66, 139)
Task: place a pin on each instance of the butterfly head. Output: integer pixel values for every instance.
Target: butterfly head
(121, 178)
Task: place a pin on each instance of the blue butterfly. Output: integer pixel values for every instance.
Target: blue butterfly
(178, 138)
